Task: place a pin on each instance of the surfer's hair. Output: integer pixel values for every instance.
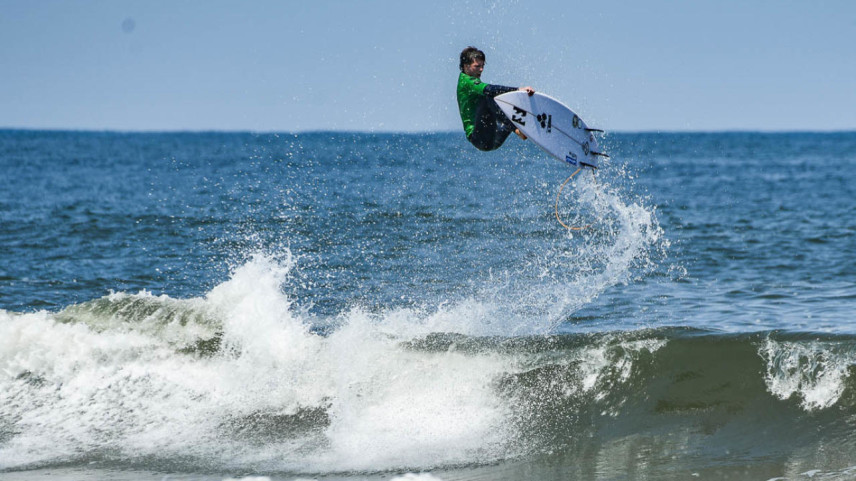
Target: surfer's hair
(470, 55)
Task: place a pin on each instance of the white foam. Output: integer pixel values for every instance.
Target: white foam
(416, 477)
(78, 387)
(611, 361)
(813, 371)
(399, 407)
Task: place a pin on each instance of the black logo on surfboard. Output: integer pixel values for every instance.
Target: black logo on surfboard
(518, 116)
(546, 122)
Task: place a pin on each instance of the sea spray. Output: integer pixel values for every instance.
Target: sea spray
(620, 239)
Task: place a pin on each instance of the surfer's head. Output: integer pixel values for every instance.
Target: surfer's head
(472, 61)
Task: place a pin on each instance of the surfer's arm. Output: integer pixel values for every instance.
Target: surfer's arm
(494, 90)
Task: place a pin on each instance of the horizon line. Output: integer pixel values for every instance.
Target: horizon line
(402, 132)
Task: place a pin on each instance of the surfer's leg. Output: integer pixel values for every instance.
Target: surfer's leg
(502, 133)
(498, 114)
(503, 125)
(484, 136)
(492, 126)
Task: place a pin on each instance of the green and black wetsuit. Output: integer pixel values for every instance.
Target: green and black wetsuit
(484, 123)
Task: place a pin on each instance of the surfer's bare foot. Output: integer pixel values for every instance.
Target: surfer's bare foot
(520, 134)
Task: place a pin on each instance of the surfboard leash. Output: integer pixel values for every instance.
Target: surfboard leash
(559, 218)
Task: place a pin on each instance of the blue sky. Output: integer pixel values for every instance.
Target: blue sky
(293, 66)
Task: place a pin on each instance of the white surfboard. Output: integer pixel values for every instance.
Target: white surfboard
(552, 126)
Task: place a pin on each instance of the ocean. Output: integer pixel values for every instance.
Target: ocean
(356, 306)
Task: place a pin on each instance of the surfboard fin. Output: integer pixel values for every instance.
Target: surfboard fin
(600, 154)
(594, 130)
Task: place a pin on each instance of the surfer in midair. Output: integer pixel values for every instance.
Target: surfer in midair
(485, 124)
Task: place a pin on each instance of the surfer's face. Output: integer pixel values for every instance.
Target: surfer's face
(474, 69)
